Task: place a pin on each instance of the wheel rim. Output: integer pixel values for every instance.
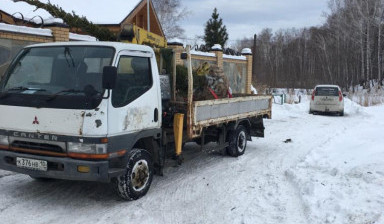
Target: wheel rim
(241, 141)
(140, 175)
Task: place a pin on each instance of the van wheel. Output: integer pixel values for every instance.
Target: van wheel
(135, 183)
(237, 141)
(341, 113)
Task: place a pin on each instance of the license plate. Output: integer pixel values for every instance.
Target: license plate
(32, 164)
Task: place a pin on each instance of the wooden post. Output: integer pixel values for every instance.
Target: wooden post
(174, 77)
(190, 94)
(254, 56)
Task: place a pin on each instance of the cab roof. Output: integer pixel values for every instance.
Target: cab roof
(117, 45)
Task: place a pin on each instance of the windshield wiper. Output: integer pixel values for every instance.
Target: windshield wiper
(63, 91)
(19, 88)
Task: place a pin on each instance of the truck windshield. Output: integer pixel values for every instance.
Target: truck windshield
(57, 76)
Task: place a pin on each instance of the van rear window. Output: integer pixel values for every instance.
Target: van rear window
(327, 91)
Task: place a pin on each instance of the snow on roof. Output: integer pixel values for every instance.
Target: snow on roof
(217, 47)
(246, 51)
(98, 11)
(28, 11)
(79, 37)
(25, 30)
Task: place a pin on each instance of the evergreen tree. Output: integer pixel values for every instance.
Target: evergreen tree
(215, 31)
(75, 21)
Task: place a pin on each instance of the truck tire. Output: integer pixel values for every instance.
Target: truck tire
(237, 141)
(135, 183)
(341, 113)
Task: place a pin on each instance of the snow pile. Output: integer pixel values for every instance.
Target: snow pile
(246, 51)
(217, 47)
(342, 181)
(370, 96)
(25, 30)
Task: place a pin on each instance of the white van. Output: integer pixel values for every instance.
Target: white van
(327, 99)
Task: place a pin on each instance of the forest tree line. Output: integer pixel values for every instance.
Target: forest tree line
(346, 50)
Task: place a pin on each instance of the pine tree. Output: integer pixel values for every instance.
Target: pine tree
(215, 31)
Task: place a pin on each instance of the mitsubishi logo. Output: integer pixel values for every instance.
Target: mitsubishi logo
(35, 121)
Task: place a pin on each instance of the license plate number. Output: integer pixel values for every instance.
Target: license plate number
(32, 164)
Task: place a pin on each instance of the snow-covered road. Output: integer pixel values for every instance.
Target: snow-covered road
(332, 171)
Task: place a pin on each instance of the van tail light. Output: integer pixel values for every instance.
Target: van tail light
(313, 95)
(340, 96)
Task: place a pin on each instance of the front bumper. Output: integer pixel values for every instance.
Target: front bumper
(61, 168)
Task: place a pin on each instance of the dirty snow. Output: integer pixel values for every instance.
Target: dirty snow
(329, 171)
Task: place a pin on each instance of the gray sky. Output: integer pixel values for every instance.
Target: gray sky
(244, 18)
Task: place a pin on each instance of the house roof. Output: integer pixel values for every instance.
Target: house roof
(99, 11)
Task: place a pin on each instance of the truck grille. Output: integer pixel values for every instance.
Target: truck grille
(37, 146)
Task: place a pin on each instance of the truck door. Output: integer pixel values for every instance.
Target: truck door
(135, 102)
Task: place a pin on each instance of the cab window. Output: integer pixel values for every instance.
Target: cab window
(134, 78)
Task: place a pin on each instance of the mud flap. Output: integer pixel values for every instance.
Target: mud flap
(257, 127)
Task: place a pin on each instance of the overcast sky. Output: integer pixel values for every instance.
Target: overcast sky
(244, 18)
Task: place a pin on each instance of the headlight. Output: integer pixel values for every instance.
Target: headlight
(4, 140)
(87, 148)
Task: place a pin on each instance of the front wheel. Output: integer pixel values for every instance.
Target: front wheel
(135, 183)
(237, 141)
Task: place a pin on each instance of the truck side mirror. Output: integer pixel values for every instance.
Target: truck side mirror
(109, 77)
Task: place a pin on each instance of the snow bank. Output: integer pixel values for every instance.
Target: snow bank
(341, 181)
(368, 97)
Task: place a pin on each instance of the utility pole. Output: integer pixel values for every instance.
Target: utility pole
(254, 57)
(148, 17)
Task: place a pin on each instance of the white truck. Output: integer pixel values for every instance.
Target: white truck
(95, 111)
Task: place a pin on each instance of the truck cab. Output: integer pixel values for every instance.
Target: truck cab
(76, 110)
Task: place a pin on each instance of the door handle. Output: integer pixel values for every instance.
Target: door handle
(155, 115)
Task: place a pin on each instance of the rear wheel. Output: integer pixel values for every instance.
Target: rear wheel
(341, 113)
(237, 141)
(135, 183)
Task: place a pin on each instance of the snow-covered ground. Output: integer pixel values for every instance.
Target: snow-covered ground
(330, 172)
